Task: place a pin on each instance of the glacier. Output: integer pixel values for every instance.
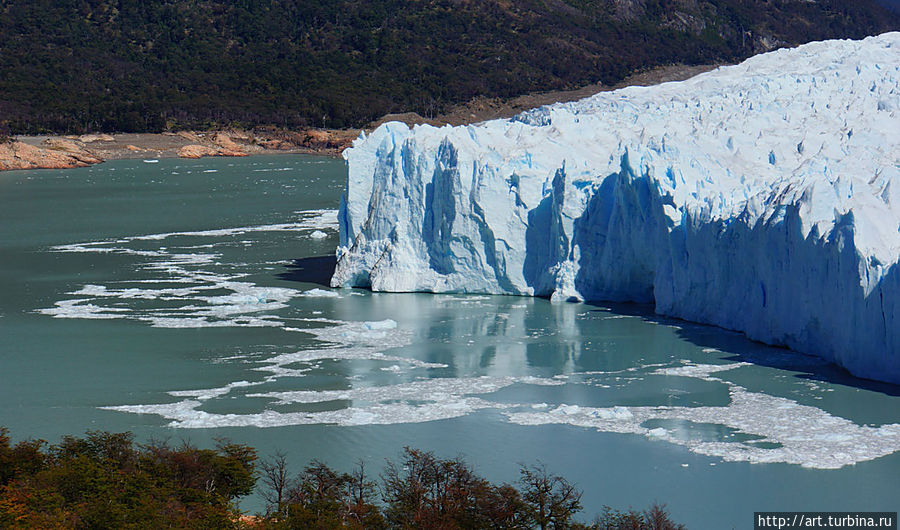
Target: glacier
(762, 197)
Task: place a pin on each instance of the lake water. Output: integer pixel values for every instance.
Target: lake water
(188, 300)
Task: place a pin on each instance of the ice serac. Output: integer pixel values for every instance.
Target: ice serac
(762, 197)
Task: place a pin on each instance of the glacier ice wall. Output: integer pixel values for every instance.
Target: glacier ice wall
(762, 197)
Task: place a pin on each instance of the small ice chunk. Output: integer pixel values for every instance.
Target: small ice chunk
(380, 325)
(321, 293)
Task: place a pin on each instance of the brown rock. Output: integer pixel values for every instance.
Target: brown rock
(317, 136)
(274, 144)
(58, 144)
(88, 138)
(227, 152)
(188, 135)
(327, 139)
(241, 136)
(225, 142)
(134, 148)
(18, 155)
(199, 151)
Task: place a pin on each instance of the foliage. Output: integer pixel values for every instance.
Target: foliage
(653, 518)
(423, 491)
(5, 136)
(426, 492)
(319, 498)
(104, 480)
(90, 65)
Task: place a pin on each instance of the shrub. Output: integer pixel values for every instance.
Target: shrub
(105, 480)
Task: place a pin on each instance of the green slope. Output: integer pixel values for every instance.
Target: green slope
(118, 65)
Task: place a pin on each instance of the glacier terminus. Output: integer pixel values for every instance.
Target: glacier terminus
(762, 197)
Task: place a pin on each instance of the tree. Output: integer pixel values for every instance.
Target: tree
(427, 492)
(25, 458)
(551, 500)
(653, 518)
(275, 481)
(657, 518)
(104, 64)
(104, 480)
(323, 498)
(235, 468)
(5, 138)
(361, 508)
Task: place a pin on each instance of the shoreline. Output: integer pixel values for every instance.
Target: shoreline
(59, 152)
(122, 146)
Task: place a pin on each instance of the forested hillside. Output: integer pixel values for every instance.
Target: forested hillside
(112, 65)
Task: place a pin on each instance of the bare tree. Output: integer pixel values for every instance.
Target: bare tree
(550, 499)
(657, 518)
(360, 508)
(275, 481)
(361, 490)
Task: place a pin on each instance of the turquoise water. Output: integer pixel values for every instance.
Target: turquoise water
(188, 300)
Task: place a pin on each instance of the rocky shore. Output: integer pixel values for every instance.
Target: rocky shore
(54, 152)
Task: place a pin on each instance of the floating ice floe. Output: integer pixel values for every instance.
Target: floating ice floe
(321, 293)
(765, 429)
(188, 278)
(779, 429)
(436, 399)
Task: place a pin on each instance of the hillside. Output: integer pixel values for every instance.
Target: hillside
(102, 65)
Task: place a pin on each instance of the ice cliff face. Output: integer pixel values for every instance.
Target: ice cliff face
(762, 197)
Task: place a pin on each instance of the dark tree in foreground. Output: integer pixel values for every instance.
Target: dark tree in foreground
(653, 518)
(274, 480)
(426, 492)
(423, 491)
(551, 500)
(105, 480)
(319, 497)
